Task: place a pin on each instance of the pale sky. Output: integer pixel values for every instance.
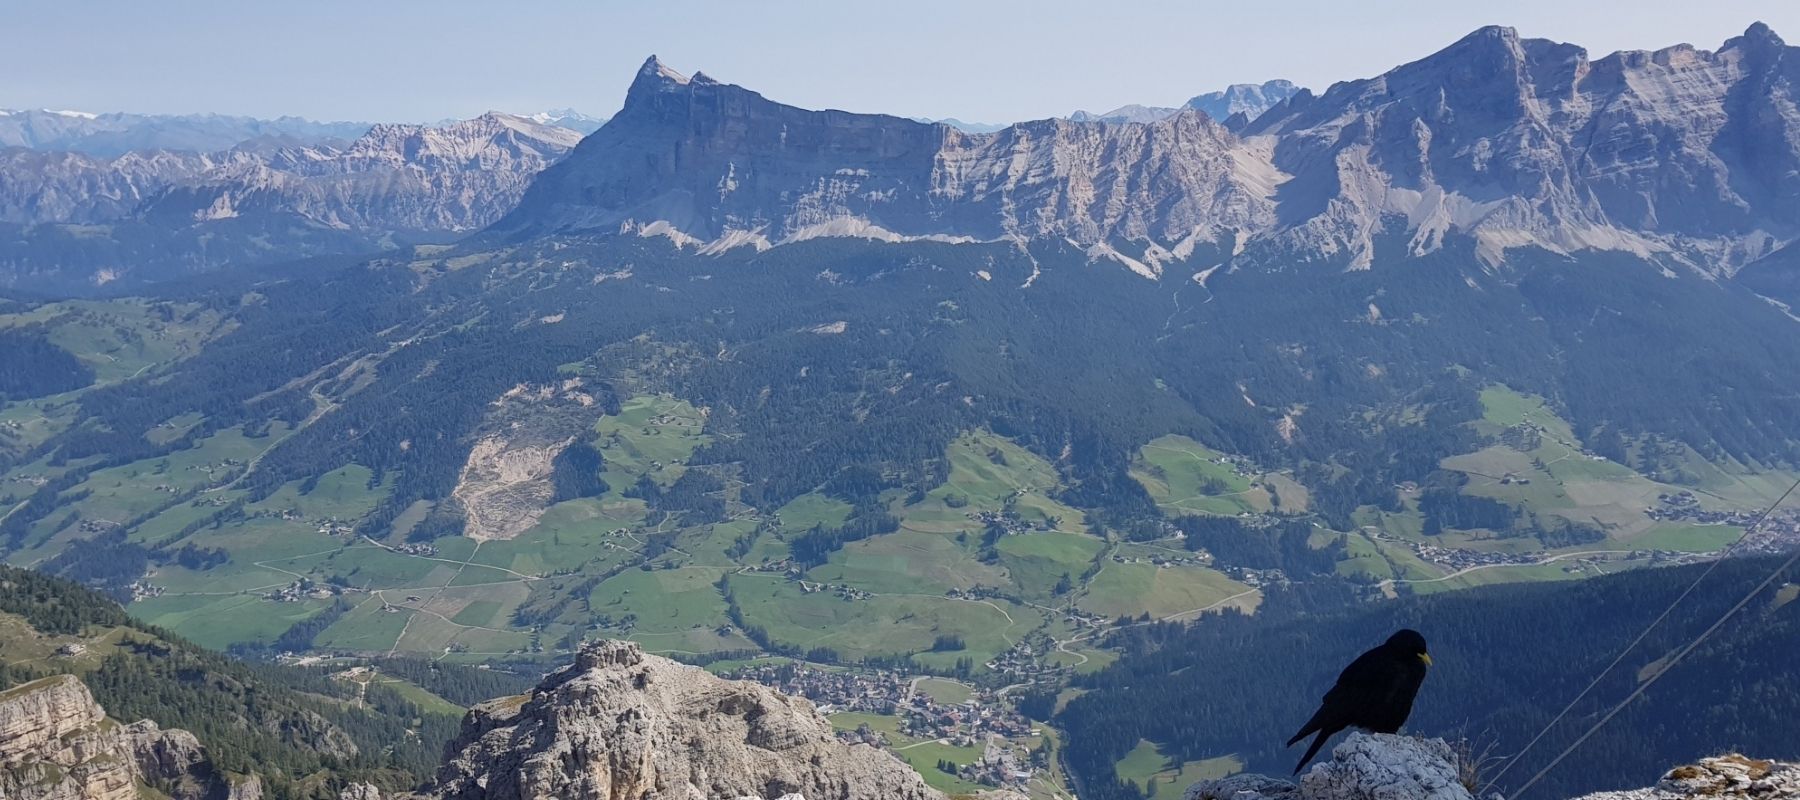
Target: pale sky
(403, 60)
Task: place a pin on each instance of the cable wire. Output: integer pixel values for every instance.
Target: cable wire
(1657, 675)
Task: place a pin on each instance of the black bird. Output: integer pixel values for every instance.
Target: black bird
(1374, 693)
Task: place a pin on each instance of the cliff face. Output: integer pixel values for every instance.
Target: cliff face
(56, 743)
(622, 725)
(1684, 155)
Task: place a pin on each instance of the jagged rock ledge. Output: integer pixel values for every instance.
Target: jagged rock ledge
(1366, 766)
(56, 743)
(1379, 766)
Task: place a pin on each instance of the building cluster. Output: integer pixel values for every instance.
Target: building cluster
(1172, 559)
(1256, 578)
(843, 592)
(1780, 533)
(303, 589)
(1010, 521)
(1683, 506)
(871, 691)
(1453, 558)
(963, 724)
(999, 766)
(983, 718)
(1022, 663)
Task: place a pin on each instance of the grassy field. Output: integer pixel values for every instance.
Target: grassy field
(884, 624)
(1146, 763)
(807, 510)
(651, 436)
(1540, 466)
(121, 339)
(1133, 589)
(946, 691)
(1186, 477)
(922, 755)
(909, 562)
(219, 622)
(990, 473)
(663, 600)
(1037, 561)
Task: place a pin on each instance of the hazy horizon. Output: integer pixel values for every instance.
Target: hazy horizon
(1007, 62)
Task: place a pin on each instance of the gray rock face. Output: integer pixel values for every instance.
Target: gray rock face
(1681, 155)
(711, 163)
(1529, 142)
(622, 725)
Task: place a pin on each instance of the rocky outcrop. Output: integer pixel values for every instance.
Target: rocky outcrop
(619, 724)
(56, 743)
(1366, 766)
(1379, 766)
(1727, 777)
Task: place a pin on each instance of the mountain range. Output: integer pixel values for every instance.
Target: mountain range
(1500, 140)
(1505, 141)
(169, 212)
(116, 133)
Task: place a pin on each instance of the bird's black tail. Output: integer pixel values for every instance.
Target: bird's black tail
(1317, 743)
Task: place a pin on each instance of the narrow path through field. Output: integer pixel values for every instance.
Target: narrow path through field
(1478, 567)
(434, 595)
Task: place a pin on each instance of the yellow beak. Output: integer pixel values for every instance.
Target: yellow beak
(1425, 657)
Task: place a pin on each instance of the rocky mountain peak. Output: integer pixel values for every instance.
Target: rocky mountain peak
(1250, 100)
(624, 725)
(1759, 34)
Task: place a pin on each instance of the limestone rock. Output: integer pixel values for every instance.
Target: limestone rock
(56, 743)
(1366, 766)
(359, 791)
(622, 725)
(1727, 777)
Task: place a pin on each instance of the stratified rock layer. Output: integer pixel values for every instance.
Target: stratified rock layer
(56, 743)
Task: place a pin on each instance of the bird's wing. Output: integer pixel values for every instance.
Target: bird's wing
(1357, 682)
(1368, 673)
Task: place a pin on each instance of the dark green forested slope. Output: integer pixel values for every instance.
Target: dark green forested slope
(1507, 659)
(302, 732)
(1380, 368)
